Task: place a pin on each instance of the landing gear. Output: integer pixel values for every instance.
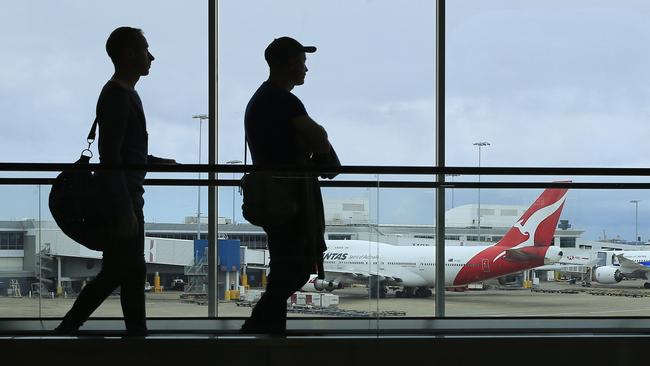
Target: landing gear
(408, 292)
(646, 285)
(381, 290)
(423, 292)
(377, 289)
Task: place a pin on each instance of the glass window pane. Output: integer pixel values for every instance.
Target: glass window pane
(553, 258)
(370, 83)
(406, 239)
(21, 251)
(350, 262)
(59, 64)
(64, 267)
(57, 69)
(379, 262)
(547, 83)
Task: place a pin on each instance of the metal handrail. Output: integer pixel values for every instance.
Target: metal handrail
(367, 184)
(347, 169)
(351, 169)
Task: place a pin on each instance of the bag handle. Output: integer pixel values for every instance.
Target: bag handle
(90, 139)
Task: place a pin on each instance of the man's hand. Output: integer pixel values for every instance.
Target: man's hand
(156, 160)
(330, 159)
(167, 161)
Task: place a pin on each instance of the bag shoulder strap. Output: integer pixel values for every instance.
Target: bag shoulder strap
(245, 147)
(90, 139)
(93, 130)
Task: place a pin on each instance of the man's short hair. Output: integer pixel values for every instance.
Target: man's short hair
(121, 39)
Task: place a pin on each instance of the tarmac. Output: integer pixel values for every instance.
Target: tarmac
(562, 299)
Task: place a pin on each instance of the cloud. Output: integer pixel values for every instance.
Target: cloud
(549, 127)
(553, 84)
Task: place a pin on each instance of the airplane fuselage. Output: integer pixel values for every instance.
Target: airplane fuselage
(415, 266)
(527, 244)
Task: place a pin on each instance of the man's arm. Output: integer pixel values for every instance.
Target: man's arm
(158, 160)
(113, 114)
(312, 134)
(112, 130)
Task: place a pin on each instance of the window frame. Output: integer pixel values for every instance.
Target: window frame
(439, 183)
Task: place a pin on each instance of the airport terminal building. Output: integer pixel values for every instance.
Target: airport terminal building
(33, 252)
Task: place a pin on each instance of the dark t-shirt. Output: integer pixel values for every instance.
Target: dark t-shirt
(273, 140)
(123, 139)
(271, 137)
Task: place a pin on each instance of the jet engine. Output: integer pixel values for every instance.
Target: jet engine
(316, 284)
(553, 255)
(321, 285)
(608, 275)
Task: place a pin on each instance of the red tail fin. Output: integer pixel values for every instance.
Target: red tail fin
(536, 226)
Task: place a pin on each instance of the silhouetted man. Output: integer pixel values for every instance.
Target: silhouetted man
(280, 132)
(122, 140)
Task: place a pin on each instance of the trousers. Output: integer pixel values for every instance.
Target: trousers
(123, 265)
(289, 271)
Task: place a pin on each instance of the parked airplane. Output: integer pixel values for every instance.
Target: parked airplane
(630, 264)
(526, 245)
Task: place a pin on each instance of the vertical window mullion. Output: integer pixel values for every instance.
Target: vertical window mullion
(213, 50)
(440, 159)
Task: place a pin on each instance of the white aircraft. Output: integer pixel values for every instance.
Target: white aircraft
(526, 245)
(630, 264)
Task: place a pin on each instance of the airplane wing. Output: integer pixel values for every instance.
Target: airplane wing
(567, 265)
(519, 255)
(360, 277)
(630, 266)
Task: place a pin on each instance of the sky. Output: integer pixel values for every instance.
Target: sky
(547, 83)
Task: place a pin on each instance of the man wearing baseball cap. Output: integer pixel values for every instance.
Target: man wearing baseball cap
(280, 132)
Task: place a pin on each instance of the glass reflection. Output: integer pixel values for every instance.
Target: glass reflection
(25, 262)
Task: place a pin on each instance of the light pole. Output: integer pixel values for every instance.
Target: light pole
(452, 188)
(636, 219)
(480, 145)
(200, 117)
(233, 188)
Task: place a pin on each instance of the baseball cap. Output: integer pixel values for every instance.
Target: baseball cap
(283, 48)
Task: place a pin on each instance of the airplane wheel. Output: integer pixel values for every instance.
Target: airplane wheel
(377, 292)
(429, 293)
(646, 285)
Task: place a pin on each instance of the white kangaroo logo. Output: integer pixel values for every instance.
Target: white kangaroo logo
(532, 224)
